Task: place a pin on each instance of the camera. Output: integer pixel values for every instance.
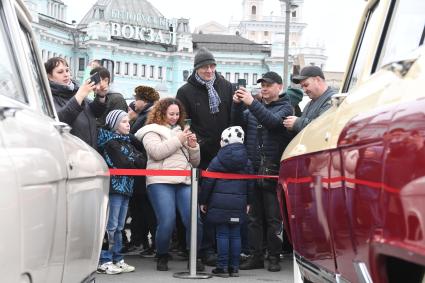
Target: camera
(95, 78)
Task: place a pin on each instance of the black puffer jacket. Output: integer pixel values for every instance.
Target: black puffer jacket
(141, 118)
(274, 136)
(227, 199)
(115, 102)
(82, 118)
(207, 126)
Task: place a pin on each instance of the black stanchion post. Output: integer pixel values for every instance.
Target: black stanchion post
(192, 274)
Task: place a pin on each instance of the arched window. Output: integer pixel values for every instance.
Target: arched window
(253, 10)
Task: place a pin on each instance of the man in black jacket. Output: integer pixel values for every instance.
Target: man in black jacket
(266, 139)
(207, 99)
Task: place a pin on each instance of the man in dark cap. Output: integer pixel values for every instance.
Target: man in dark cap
(314, 85)
(266, 139)
(207, 99)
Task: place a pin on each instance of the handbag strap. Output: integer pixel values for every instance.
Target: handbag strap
(260, 142)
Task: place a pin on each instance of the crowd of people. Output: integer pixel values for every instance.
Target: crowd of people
(211, 125)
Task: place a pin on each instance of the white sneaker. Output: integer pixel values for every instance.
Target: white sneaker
(124, 266)
(108, 268)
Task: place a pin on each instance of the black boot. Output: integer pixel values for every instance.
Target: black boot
(253, 262)
(274, 265)
(233, 272)
(220, 272)
(162, 263)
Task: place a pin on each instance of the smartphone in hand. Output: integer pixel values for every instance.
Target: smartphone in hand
(187, 122)
(241, 83)
(95, 78)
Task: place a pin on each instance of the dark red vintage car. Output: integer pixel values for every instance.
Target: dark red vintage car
(352, 183)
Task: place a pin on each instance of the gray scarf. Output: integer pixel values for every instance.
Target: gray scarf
(213, 98)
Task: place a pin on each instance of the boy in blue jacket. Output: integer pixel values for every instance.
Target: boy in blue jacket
(226, 202)
(116, 147)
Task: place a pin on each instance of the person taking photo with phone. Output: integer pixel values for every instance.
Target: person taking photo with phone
(71, 102)
(266, 139)
(102, 78)
(169, 146)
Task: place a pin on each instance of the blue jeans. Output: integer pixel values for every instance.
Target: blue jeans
(165, 198)
(228, 245)
(118, 205)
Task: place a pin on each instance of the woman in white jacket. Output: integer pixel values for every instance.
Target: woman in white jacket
(169, 146)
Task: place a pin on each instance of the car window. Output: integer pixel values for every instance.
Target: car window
(9, 75)
(405, 31)
(363, 46)
(36, 73)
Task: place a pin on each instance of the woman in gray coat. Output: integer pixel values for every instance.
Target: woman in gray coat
(71, 102)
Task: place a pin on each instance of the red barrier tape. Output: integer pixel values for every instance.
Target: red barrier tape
(150, 172)
(186, 173)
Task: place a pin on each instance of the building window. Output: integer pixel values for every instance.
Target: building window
(254, 79)
(236, 77)
(253, 10)
(160, 72)
(81, 64)
(135, 69)
(151, 71)
(294, 14)
(246, 76)
(143, 71)
(118, 69)
(266, 33)
(101, 14)
(228, 76)
(126, 68)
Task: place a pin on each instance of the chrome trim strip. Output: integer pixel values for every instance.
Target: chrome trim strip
(362, 272)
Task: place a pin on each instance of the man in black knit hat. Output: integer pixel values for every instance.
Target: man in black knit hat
(207, 99)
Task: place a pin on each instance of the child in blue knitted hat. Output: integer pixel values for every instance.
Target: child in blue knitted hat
(116, 147)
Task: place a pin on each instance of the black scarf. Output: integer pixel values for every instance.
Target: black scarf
(63, 90)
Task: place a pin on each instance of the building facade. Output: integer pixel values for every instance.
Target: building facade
(142, 47)
(256, 26)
